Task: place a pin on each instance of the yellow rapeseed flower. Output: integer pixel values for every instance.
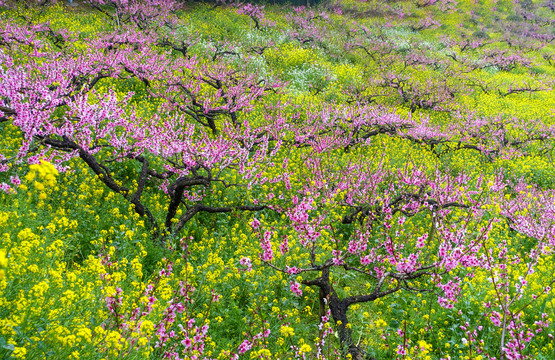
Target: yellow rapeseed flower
(287, 331)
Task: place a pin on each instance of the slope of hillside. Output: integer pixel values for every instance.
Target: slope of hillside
(353, 180)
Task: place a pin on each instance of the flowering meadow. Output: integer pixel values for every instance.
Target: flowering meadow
(351, 180)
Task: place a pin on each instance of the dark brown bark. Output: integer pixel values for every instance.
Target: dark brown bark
(106, 178)
(176, 191)
(339, 307)
(7, 113)
(192, 211)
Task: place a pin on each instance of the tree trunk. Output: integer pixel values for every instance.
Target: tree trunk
(338, 309)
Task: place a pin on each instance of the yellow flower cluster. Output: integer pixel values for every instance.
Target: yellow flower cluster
(43, 177)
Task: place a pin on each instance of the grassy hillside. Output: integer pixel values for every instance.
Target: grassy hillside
(359, 179)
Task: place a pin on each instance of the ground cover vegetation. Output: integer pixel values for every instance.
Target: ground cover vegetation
(353, 180)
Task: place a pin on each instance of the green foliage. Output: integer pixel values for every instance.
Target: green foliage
(62, 230)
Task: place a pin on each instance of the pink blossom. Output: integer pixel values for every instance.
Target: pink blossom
(296, 288)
